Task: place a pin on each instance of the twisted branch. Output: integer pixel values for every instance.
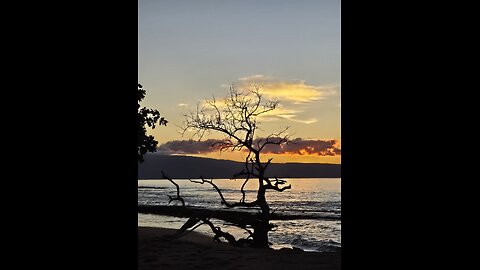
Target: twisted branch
(224, 202)
(276, 184)
(176, 198)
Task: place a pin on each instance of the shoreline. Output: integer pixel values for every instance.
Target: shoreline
(198, 251)
(291, 237)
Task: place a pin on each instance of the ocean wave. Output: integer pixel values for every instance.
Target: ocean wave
(319, 245)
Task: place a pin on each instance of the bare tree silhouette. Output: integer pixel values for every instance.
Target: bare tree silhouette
(236, 117)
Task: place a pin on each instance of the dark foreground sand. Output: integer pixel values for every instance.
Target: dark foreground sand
(198, 251)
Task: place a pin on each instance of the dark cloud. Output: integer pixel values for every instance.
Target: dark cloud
(297, 146)
(304, 147)
(188, 147)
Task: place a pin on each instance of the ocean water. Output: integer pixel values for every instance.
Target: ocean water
(318, 198)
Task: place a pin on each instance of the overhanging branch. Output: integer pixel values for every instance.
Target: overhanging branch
(224, 202)
(276, 184)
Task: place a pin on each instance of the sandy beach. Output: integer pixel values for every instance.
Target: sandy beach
(198, 251)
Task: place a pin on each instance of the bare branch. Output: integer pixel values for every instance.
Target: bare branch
(236, 118)
(249, 172)
(219, 233)
(274, 138)
(243, 191)
(177, 198)
(224, 202)
(194, 222)
(268, 163)
(276, 183)
(279, 189)
(247, 228)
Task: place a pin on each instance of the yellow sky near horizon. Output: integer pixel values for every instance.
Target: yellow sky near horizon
(281, 158)
(295, 98)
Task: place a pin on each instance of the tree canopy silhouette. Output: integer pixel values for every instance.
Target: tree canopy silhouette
(146, 117)
(236, 117)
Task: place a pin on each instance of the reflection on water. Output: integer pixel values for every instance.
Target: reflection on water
(316, 197)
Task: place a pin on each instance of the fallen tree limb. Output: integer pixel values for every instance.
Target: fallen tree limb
(236, 217)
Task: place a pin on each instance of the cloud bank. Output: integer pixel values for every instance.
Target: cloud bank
(297, 146)
(305, 147)
(188, 147)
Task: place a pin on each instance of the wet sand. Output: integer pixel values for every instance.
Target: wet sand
(198, 251)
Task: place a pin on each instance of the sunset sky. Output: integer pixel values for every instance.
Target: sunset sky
(191, 50)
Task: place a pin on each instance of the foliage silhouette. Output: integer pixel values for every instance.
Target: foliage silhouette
(146, 117)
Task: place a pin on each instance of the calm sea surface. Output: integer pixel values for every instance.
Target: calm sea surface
(316, 197)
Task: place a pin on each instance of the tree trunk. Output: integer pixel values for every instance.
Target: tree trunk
(262, 226)
(260, 234)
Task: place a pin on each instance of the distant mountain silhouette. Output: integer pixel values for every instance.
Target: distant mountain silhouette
(181, 167)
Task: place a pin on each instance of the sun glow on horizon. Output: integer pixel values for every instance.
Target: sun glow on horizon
(277, 158)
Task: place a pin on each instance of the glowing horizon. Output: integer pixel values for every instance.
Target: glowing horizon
(284, 158)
